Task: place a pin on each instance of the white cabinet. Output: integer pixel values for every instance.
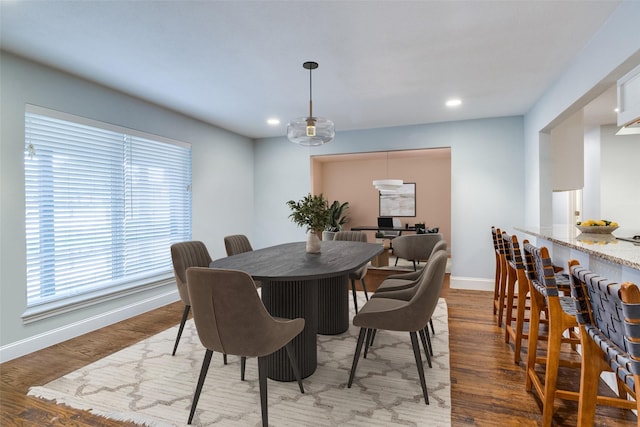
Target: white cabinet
(629, 98)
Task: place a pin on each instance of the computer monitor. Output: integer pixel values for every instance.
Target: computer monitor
(385, 222)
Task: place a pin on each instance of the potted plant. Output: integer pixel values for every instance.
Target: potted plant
(312, 212)
(338, 219)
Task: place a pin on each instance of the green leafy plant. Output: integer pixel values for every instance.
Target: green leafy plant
(312, 212)
(338, 215)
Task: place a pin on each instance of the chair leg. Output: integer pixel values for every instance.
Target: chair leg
(416, 353)
(243, 366)
(355, 298)
(369, 338)
(373, 335)
(427, 337)
(427, 347)
(224, 358)
(396, 264)
(364, 288)
(294, 364)
(203, 375)
(433, 331)
(185, 314)
(414, 265)
(262, 375)
(356, 356)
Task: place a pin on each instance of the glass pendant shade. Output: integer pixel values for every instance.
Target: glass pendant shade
(310, 131)
(316, 131)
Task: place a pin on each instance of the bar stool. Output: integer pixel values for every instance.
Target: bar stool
(609, 318)
(516, 278)
(561, 316)
(501, 274)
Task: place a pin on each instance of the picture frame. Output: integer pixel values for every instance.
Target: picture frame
(399, 203)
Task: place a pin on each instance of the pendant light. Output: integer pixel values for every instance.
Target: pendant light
(310, 130)
(387, 185)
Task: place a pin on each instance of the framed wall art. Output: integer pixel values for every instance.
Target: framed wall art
(401, 202)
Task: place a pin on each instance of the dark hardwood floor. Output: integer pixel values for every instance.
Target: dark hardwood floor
(487, 387)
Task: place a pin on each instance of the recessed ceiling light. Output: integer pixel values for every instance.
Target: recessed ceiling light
(615, 110)
(273, 122)
(453, 102)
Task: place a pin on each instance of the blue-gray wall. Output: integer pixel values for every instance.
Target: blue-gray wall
(222, 192)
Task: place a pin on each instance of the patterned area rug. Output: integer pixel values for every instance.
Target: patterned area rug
(145, 384)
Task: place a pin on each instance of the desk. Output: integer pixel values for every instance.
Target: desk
(376, 228)
(312, 286)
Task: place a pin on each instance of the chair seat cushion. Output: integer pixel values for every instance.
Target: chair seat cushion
(384, 313)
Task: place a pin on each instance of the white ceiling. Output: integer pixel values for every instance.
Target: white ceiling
(382, 63)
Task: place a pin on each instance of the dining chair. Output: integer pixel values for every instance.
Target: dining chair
(401, 284)
(408, 316)
(230, 318)
(415, 247)
(608, 315)
(238, 244)
(183, 256)
(359, 274)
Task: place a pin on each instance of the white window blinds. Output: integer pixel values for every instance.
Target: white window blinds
(103, 206)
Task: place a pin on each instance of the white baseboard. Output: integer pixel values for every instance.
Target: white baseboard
(58, 335)
(470, 283)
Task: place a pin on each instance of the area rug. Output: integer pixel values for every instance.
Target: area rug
(144, 384)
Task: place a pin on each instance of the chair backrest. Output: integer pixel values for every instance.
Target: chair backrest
(441, 245)
(541, 275)
(610, 315)
(183, 256)
(514, 255)
(351, 236)
(228, 313)
(423, 303)
(415, 246)
(237, 244)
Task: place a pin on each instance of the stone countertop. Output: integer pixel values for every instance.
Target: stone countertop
(604, 246)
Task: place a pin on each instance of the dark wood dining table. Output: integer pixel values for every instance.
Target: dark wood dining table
(312, 286)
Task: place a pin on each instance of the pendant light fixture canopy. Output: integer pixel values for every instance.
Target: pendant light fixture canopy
(310, 130)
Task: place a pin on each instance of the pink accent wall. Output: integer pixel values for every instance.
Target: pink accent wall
(348, 177)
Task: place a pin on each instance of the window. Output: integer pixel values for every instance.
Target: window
(103, 206)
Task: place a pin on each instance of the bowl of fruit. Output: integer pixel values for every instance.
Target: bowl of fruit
(597, 226)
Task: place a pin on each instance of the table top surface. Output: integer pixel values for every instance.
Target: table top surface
(605, 246)
(289, 261)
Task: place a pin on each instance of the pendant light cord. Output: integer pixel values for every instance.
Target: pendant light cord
(310, 98)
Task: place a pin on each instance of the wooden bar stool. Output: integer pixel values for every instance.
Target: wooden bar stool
(499, 293)
(609, 318)
(561, 314)
(516, 280)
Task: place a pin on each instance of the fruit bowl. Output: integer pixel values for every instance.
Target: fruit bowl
(596, 229)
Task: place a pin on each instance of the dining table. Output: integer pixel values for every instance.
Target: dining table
(297, 284)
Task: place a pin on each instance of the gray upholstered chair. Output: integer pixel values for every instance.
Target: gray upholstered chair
(230, 318)
(609, 318)
(415, 247)
(359, 274)
(403, 287)
(237, 244)
(411, 316)
(183, 256)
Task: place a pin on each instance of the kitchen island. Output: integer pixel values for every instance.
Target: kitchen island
(604, 254)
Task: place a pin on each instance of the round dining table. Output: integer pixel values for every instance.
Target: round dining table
(296, 284)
